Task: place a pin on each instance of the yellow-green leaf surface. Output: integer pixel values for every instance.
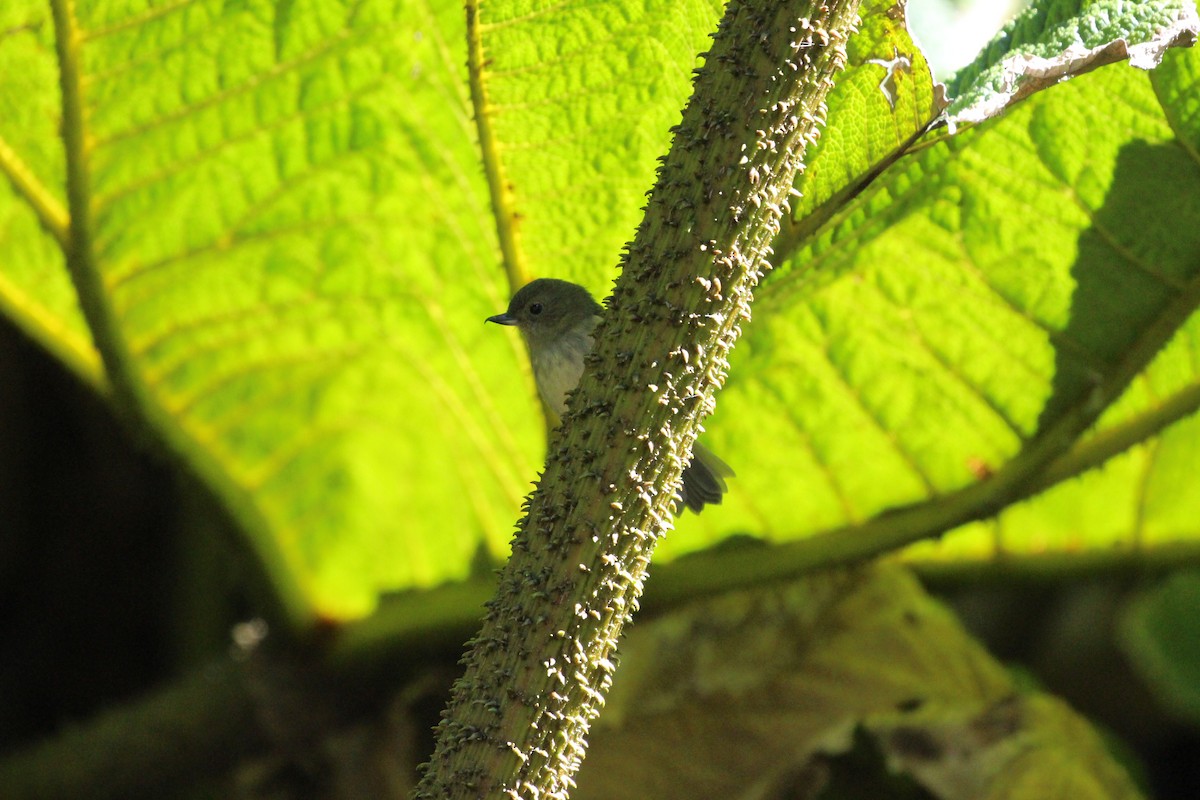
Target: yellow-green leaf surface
(281, 219)
(280, 226)
(285, 245)
(939, 341)
(35, 291)
(882, 102)
(576, 104)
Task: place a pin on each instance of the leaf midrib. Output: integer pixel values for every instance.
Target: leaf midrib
(129, 390)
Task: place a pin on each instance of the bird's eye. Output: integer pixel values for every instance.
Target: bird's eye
(535, 309)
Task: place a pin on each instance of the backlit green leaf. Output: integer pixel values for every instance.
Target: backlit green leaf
(35, 291)
(293, 251)
(930, 343)
(283, 238)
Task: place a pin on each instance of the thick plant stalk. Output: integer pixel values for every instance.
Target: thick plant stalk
(536, 673)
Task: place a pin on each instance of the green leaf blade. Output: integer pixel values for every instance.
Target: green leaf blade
(885, 99)
(297, 246)
(579, 101)
(1055, 41)
(35, 288)
(299, 268)
(970, 301)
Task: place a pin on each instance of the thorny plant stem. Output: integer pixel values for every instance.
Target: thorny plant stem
(536, 674)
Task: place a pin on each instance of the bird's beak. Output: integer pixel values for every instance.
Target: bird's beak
(502, 319)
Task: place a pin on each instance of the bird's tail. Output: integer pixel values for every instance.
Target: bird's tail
(703, 480)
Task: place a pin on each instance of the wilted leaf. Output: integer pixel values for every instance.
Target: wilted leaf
(1021, 748)
(751, 692)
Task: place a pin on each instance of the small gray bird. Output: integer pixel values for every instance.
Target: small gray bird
(556, 318)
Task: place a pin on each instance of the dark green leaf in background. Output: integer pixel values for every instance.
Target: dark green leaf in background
(1161, 636)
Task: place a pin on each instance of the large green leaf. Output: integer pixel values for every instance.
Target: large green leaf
(938, 340)
(34, 288)
(286, 248)
(276, 220)
(286, 243)
(576, 103)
